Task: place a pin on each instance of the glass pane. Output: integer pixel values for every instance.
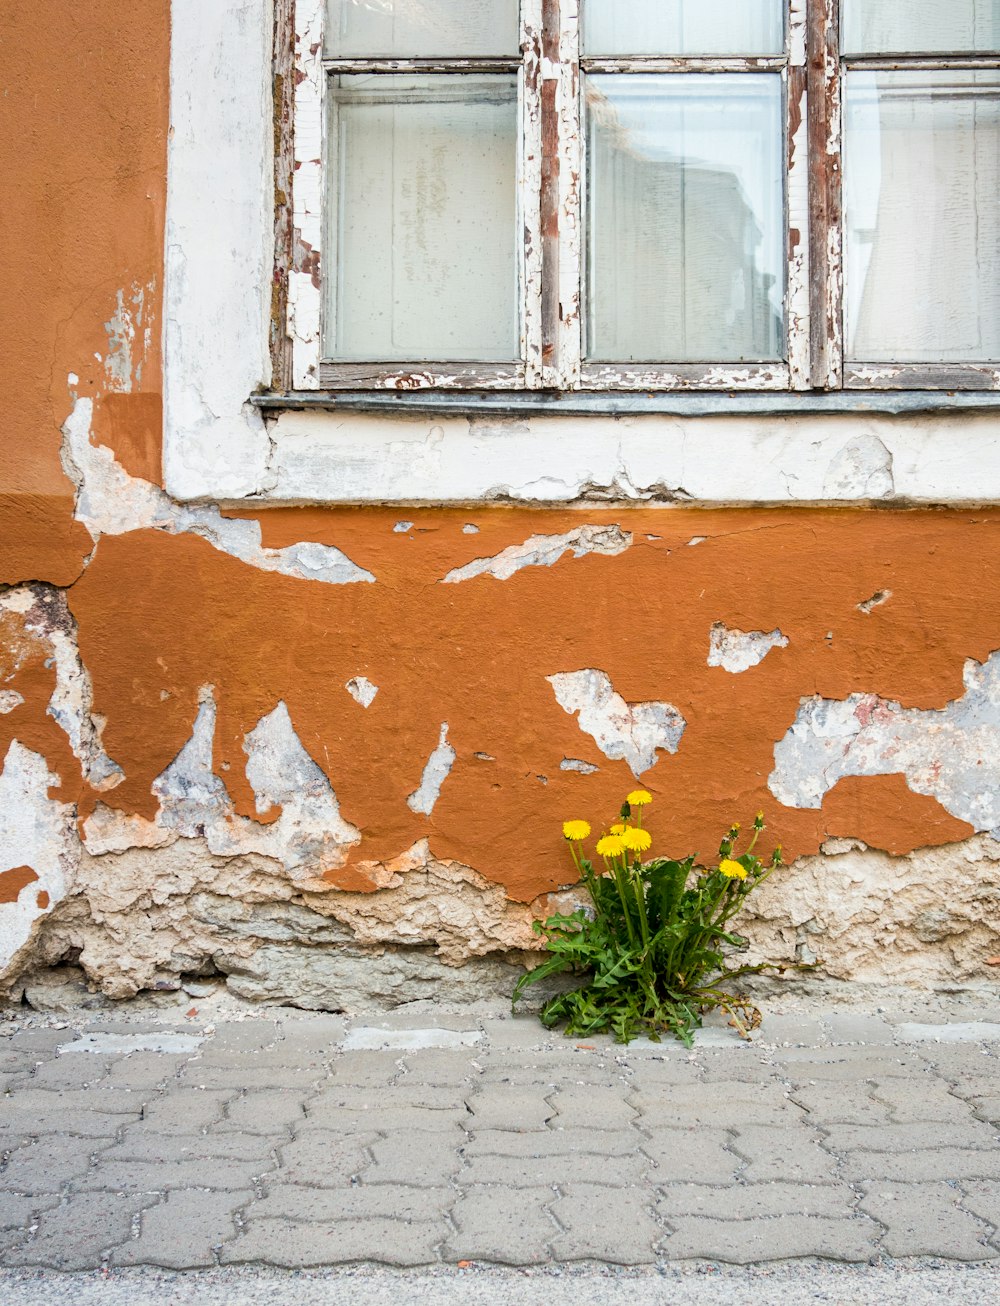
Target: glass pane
(423, 221)
(416, 29)
(685, 218)
(922, 217)
(613, 27)
(914, 26)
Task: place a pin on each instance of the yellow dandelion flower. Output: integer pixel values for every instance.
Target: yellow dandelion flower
(639, 798)
(610, 846)
(618, 829)
(637, 841)
(574, 831)
(732, 870)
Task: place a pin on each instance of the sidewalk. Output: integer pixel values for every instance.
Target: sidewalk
(294, 1141)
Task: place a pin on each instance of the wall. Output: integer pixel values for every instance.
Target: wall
(327, 750)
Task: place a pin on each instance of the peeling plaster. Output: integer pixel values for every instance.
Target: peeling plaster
(578, 765)
(127, 324)
(630, 732)
(739, 650)
(9, 700)
(37, 831)
(436, 771)
(111, 502)
(362, 690)
(545, 551)
(950, 754)
(862, 469)
(308, 838)
(876, 601)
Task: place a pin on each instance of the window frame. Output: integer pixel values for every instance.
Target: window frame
(551, 169)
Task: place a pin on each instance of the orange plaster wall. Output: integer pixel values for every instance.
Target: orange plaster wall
(161, 616)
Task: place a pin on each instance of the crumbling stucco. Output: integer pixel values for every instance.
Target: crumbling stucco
(629, 732)
(951, 754)
(362, 690)
(545, 551)
(438, 768)
(739, 650)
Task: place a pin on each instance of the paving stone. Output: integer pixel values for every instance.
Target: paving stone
(263, 1113)
(41, 1040)
(558, 1170)
(187, 1110)
(869, 1030)
(18, 1210)
(692, 1155)
(353, 1202)
(400, 1096)
(755, 1201)
(79, 1234)
(183, 1231)
(726, 1067)
(983, 1199)
(784, 1154)
(783, 1238)
(517, 1032)
(299, 1245)
(553, 1142)
(142, 1143)
(374, 1069)
(155, 1176)
(47, 1164)
(145, 1070)
(504, 1106)
(722, 1105)
(955, 1060)
(848, 1063)
(440, 1066)
(243, 1036)
(554, 1070)
(604, 1223)
(512, 1227)
(922, 1167)
(968, 1087)
(791, 1031)
(82, 1123)
(915, 1102)
(322, 1115)
(661, 1076)
(908, 1138)
(325, 1159)
(112, 1101)
(427, 1160)
(67, 1072)
(849, 1104)
(239, 1076)
(591, 1107)
(925, 1219)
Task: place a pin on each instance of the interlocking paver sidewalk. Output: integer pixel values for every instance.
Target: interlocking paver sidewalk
(414, 1139)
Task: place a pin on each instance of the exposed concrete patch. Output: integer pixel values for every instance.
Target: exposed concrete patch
(308, 838)
(437, 770)
(975, 1031)
(123, 1044)
(37, 831)
(372, 1039)
(950, 754)
(9, 700)
(630, 732)
(111, 502)
(127, 324)
(739, 650)
(930, 917)
(578, 765)
(47, 623)
(861, 469)
(362, 690)
(545, 551)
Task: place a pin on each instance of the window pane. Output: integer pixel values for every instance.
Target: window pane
(922, 180)
(906, 26)
(683, 26)
(423, 219)
(414, 29)
(685, 218)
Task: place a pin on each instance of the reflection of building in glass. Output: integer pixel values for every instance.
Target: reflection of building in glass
(677, 255)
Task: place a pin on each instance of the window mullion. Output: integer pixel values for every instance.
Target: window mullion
(530, 168)
(825, 194)
(797, 298)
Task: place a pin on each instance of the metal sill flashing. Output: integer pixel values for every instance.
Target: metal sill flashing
(674, 404)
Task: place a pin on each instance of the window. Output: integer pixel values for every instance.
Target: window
(645, 194)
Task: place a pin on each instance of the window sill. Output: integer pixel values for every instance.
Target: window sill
(604, 404)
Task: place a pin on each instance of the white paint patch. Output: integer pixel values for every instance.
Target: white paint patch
(629, 732)
(436, 771)
(123, 1044)
(696, 539)
(35, 831)
(401, 527)
(9, 700)
(129, 338)
(970, 1032)
(545, 551)
(470, 529)
(308, 838)
(951, 754)
(739, 650)
(370, 1039)
(578, 765)
(111, 502)
(362, 690)
(862, 469)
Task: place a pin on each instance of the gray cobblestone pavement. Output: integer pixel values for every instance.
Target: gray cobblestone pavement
(421, 1140)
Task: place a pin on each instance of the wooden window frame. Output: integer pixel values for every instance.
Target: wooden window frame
(551, 170)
